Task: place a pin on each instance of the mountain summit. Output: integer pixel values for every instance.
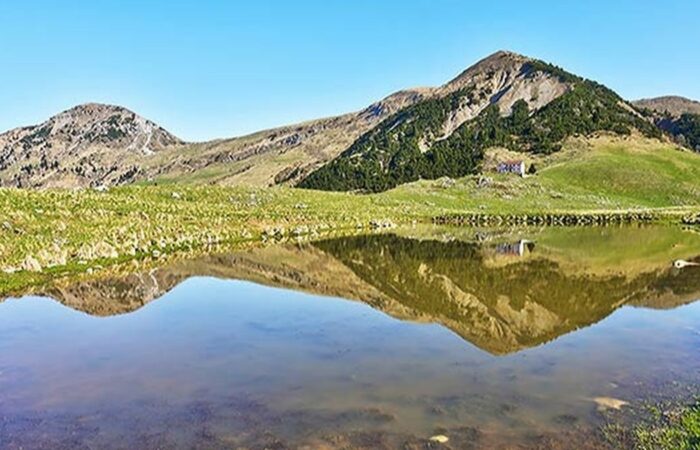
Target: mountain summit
(505, 100)
(89, 144)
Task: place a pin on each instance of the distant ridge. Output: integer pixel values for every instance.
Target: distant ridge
(673, 104)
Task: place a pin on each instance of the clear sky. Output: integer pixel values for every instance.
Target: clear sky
(207, 69)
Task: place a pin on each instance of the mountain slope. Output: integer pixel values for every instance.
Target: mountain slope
(91, 144)
(506, 100)
(278, 156)
(673, 104)
(678, 116)
(606, 173)
(94, 144)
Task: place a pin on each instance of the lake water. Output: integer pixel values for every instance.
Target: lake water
(494, 341)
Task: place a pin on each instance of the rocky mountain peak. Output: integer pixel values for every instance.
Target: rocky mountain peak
(79, 146)
(108, 125)
(500, 62)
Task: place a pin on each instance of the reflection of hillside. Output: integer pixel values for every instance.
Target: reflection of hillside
(303, 268)
(597, 251)
(629, 251)
(115, 295)
(501, 308)
(498, 308)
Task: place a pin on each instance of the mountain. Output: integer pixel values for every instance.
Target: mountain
(675, 105)
(91, 144)
(678, 116)
(500, 301)
(95, 144)
(279, 156)
(506, 100)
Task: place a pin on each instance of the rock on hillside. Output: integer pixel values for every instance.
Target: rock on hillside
(88, 145)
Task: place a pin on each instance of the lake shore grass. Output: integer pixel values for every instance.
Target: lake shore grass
(56, 227)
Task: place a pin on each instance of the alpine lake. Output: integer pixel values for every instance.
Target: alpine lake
(423, 337)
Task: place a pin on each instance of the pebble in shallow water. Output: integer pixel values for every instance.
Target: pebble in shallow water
(440, 438)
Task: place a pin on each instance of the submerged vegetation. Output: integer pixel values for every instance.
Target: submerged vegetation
(663, 428)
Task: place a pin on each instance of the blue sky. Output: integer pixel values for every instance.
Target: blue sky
(207, 69)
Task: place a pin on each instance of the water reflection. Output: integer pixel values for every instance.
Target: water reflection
(495, 347)
(502, 296)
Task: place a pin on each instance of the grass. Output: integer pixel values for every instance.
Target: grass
(674, 428)
(71, 230)
(647, 175)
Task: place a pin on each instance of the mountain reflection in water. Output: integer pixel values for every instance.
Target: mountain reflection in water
(502, 297)
(494, 348)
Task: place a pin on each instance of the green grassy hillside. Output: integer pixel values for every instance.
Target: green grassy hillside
(605, 173)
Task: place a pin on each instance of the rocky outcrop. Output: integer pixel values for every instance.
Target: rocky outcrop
(504, 78)
(549, 219)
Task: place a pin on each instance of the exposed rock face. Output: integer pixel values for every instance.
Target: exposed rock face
(674, 105)
(501, 79)
(89, 145)
(504, 78)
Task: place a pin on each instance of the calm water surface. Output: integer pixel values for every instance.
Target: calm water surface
(509, 344)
